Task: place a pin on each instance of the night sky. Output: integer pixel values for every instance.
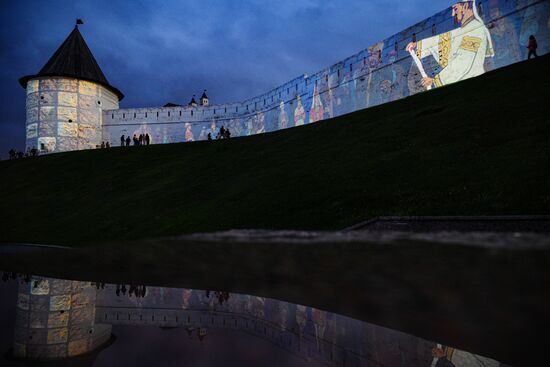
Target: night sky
(165, 51)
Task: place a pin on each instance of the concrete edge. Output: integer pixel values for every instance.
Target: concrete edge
(29, 245)
(458, 218)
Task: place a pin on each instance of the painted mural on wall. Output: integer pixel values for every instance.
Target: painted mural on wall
(461, 42)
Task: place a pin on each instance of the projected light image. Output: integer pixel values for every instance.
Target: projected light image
(57, 319)
(464, 41)
(65, 114)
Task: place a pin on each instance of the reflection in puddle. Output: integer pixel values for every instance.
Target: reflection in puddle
(58, 319)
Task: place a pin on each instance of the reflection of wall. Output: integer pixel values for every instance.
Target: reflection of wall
(65, 113)
(312, 334)
(381, 73)
(56, 319)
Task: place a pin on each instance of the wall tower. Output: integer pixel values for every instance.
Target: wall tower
(66, 98)
(204, 99)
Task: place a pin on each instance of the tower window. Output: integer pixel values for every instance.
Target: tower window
(350, 67)
(145, 114)
(395, 46)
(225, 110)
(112, 116)
(191, 112)
(157, 114)
(99, 102)
(214, 111)
(41, 97)
(414, 37)
(70, 120)
(236, 109)
(338, 73)
(168, 113)
(123, 115)
(134, 115)
(434, 29)
(180, 113)
(247, 107)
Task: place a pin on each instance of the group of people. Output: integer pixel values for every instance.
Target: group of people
(104, 144)
(136, 290)
(10, 275)
(220, 295)
(142, 139)
(222, 134)
(14, 154)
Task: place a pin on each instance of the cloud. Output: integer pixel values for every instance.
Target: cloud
(159, 51)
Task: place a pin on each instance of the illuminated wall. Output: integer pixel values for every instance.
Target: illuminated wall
(65, 114)
(56, 319)
(449, 50)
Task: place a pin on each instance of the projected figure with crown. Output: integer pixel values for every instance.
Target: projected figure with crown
(461, 52)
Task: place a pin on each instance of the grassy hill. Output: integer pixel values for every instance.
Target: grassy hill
(477, 147)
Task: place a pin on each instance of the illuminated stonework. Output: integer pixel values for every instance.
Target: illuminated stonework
(66, 113)
(56, 319)
(458, 43)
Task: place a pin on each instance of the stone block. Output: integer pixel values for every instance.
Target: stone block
(62, 302)
(58, 319)
(23, 301)
(40, 287)
(56, 336)
(37, 336)
(38, 320)
(39, 303)
(21, 318)
(60, 286)
(78, 347)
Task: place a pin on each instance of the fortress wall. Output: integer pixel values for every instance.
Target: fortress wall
(381, 73)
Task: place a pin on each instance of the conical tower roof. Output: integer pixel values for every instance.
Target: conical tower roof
(73, 59)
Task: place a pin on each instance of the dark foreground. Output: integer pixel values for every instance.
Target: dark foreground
(484, 293)
(478, 147)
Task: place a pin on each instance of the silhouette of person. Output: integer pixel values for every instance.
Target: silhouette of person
(128, 141)
(122, 140)
(532, 47)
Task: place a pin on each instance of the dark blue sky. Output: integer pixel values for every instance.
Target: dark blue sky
(166, 51)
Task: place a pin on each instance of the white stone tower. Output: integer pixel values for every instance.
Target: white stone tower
(56, 319)
(66, 98)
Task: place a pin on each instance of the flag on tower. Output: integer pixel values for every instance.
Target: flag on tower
(79, 21)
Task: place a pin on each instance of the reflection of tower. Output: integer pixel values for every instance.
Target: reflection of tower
(66, 98)
(56, 319)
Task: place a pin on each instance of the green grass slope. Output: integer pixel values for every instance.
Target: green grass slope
(474, 148)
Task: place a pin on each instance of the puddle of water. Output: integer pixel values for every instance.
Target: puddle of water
(73, 321)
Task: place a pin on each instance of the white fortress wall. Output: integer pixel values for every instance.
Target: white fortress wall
(381, 73)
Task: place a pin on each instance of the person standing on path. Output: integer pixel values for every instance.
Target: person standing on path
(532, 47)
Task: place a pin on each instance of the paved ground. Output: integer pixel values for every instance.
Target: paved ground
(482, 292)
